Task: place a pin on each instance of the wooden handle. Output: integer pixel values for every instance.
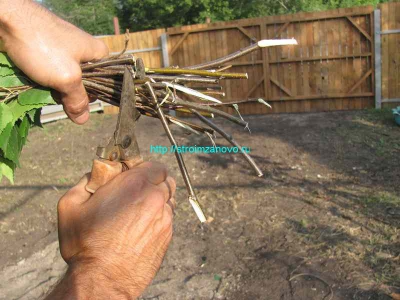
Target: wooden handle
(104, 171)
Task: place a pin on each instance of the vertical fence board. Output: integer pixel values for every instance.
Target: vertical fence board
(390, 54)
(317, 75)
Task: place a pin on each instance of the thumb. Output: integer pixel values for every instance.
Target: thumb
(76, 195)
(76, 104)
(68, 83)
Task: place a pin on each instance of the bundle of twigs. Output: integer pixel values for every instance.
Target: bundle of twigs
(161, 90)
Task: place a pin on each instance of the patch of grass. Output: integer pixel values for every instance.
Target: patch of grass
(304, 223)
(217, 277)
(384, 198)
(384, 268)
(62, 180)
(383, 115)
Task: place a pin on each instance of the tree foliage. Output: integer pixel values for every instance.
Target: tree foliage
(96, 16)
(148, 14)
(19, 111)
(93, 16)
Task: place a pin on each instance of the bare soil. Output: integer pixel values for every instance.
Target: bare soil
(323, 223)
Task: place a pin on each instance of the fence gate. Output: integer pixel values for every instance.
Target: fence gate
(331, 69)
(387, 51)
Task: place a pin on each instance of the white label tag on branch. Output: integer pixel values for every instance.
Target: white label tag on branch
(262, 101)
(189, 91)
(280, 42)
(198, 210)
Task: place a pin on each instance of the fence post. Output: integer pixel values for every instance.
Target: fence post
(378, 59)
(164, 49)
(116, 26)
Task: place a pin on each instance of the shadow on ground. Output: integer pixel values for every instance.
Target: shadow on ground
(322, 223)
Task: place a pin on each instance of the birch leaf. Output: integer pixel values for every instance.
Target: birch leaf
(13, 81)
(5, 116)
(36, 96)
(5, 136)
(7, 168)
(6, 71)
(13, 148)
(5, 60)
(23, 130)
(34, 117)
(19, 110)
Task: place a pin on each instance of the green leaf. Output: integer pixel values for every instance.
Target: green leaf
(23, 130)
(7, 168)
(10, 143)
(5, 60)
(19, 110)
(35, 96)
(13, 148)
(5, 136)
(6, 71)
(12, 81)
(5, 116)
(217, 277)
(34, 117)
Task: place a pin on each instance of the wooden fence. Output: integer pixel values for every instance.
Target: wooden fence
(144, 44)
(388, 55)
(331, 68)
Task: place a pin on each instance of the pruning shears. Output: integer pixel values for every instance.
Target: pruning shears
(122, 151)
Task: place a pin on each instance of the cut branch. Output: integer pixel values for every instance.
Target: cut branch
(192, 196)
(230, 139)
(261, 44)
(220, 75)
(211, 110)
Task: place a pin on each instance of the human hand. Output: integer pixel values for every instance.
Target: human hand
(114, 240)
(49, 50)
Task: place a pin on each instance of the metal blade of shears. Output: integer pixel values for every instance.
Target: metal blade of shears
(122, 152)
(123, 145)
(125, 132)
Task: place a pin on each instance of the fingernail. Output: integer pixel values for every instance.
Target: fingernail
(83, 118)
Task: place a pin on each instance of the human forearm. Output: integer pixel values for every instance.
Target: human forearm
(49, 50)
(14, 13)
(94, 282)
(114, 240)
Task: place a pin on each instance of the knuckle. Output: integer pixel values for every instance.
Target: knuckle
(157, 198)
(76, 108)
(172, 184)
(63, 205)
(157, 165)
(103, 48)
(168, 222)
(131, 176)
(68, 79)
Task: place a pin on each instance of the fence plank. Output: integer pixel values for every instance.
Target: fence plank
(333, 55)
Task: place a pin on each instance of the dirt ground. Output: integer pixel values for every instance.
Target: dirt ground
(323, 223)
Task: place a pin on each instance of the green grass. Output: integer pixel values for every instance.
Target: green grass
(378, 115)
(382, 198)
(62, 180)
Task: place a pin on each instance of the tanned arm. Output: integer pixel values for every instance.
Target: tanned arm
(49, 50)
(114, 241)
